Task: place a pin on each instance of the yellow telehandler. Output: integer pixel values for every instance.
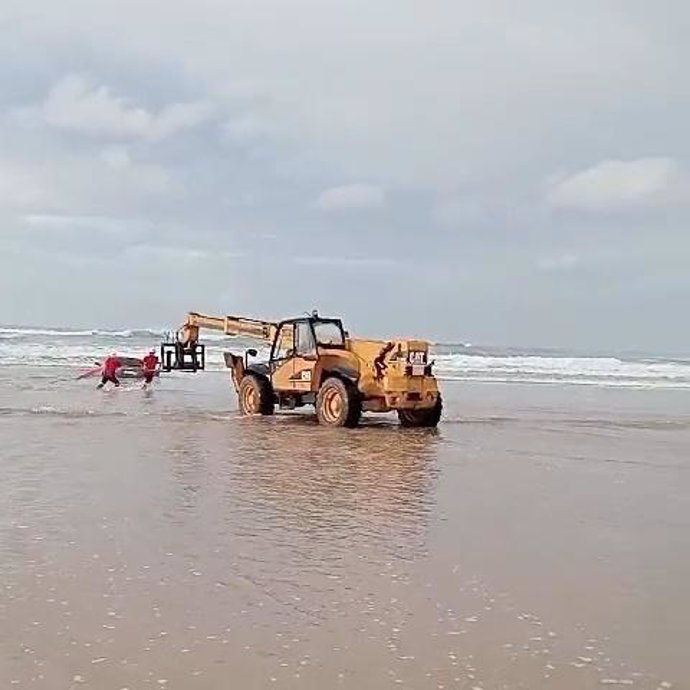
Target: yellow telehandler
(313, 361)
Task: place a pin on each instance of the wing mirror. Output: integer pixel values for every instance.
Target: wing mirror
(251, 352)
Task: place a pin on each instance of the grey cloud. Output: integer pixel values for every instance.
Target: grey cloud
(76, 104)
(78, 184)
(519, 172)
(614, 184)
(559, 263)
(458, 211)
(177, 255)
(351, 196)
(373, 262)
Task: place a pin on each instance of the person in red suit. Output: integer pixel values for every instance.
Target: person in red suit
(150, 364)
(109, 370)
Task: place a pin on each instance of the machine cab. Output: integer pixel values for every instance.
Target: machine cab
(296, 349)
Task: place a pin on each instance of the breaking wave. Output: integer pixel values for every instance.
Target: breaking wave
(602, 371)
(81, 349)
(29, 333)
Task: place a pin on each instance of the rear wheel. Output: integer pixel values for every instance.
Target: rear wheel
(422, 418)
(255, 396)
(338, 403)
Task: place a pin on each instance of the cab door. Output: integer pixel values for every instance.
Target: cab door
(282, 356)
(305, 359)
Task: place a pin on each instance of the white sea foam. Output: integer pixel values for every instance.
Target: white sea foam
(11, 333)
(29, 333)
(83, 348)
(605, 371)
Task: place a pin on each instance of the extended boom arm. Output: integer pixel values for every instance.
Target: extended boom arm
(188, 334)
(186, 353)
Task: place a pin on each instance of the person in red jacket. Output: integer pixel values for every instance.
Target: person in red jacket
(109, 369)
(150, 364)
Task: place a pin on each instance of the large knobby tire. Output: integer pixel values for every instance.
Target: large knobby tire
(422, 418)
(338, 403)
(255, 396)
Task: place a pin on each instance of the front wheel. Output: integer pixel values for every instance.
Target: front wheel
(338, 403)
(255, 396)
(422, 418)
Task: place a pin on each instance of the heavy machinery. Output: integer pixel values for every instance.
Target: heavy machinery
(313, 361)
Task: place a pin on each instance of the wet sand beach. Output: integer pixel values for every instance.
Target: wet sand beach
(538, 539)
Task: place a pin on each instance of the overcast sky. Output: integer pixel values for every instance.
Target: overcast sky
(448, 169)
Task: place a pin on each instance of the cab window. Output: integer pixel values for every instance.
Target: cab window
(284, 343)
(305, 345)
(328, 333)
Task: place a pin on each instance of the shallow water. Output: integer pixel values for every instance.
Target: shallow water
(537, 539)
